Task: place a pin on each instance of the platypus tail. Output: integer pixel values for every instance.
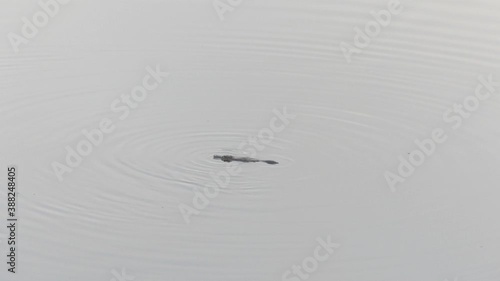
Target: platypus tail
(271, 162)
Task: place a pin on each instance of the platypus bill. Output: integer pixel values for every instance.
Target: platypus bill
(230, 158)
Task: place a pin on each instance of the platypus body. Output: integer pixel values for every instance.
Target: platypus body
(230, 158)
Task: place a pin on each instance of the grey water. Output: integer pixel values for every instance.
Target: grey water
(272, 80)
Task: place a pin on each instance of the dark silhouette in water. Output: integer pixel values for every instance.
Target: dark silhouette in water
(229, 158)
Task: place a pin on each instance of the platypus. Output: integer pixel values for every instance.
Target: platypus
(230, 158)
